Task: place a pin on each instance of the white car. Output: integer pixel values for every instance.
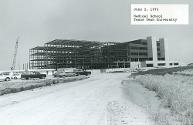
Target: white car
(16, 76)
(5, 76)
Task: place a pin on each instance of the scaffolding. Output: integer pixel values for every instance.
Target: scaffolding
(68, 54)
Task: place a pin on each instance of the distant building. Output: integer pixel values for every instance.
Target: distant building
(98, 55)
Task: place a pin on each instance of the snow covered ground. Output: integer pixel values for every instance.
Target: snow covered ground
(99, 100)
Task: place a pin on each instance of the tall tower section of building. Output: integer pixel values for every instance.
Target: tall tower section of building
(161, 49)
(152, 50)
(156, 50)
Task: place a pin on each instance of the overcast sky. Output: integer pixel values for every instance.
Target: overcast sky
(40, 21)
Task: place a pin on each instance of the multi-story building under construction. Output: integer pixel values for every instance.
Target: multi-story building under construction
(96, 55)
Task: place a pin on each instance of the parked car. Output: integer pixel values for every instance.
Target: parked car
(82, 72)
(64, 74)
(16, 76)
(5, 76)
(31, 75)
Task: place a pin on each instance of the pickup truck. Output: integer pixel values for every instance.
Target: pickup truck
(31, 75)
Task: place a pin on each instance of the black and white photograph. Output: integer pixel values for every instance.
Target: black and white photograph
(96, 62)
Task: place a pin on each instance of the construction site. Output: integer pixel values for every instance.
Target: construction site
(97, 55)
(76, 56)
(60, 89)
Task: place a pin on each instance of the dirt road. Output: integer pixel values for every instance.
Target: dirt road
(98, 100)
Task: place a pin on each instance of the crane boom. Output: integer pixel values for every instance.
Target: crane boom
(15, 55)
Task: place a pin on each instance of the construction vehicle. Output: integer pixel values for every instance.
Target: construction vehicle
(15, 55)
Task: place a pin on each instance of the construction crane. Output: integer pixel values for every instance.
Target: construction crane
(15, 54)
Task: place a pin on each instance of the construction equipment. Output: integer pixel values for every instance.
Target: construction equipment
(15, 55)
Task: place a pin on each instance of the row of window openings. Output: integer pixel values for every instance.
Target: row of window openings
(162, 64)
(139, 59)
(158, 49)
(49, 51)
(55, 52)
(159, 64)
(132, 59)
(158, 54)
(175, 64)
(161, 59)
(66, 62)
(158, 43)
(144, 54)
(61, 46)
(139, 48)
(139, 42)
